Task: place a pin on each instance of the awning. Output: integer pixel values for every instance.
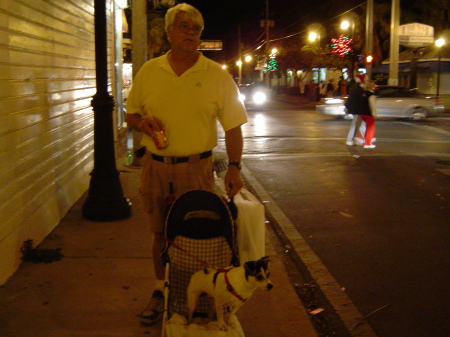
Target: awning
(406, 67)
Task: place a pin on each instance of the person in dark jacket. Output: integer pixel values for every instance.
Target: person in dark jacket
(358, 127)
(360, 103)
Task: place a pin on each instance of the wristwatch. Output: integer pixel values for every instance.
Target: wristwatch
(235, 163)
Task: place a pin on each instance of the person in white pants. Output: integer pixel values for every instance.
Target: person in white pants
(357, 129)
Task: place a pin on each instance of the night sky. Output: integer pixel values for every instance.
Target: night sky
(223, 17)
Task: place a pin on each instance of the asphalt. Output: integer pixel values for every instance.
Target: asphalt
(105, 278)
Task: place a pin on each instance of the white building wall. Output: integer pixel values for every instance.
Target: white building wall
(47, 80)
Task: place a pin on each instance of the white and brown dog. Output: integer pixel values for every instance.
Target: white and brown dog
(231, 287)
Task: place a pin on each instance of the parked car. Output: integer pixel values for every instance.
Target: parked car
(252, 96)
(391, 101)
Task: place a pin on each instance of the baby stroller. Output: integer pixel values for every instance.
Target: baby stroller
(200, 233)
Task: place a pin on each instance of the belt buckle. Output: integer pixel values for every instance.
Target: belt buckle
(170, 160)
(195, 158)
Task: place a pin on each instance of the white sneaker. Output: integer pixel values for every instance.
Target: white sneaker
(369, 146)
(359, 141)
(349, 143)
(155, 309)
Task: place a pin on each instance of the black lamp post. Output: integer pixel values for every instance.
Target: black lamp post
(105, 201)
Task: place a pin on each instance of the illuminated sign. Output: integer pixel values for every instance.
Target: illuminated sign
(416, 35)
(210, 45)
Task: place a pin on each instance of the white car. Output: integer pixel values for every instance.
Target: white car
(391, 101)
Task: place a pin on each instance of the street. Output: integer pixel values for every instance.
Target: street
(375, 220)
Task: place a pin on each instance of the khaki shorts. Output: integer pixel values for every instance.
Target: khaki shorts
(155, 185)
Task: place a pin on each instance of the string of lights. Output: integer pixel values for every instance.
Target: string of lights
(341, 45)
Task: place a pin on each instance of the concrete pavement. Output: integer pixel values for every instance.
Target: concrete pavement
(105, 279)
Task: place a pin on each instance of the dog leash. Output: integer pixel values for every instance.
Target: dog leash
(227, 281)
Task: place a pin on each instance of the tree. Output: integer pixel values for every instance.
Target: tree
(156, 37)
(156, 34)
(293, 55)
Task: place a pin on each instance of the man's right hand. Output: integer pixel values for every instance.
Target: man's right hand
(150, 125)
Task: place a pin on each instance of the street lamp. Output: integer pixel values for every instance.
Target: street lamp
(315, 32)
(247, 59)
(313, 36)
(239, 64)
(345, 24)
(439, 43)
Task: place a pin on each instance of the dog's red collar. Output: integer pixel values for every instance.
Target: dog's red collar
(227, 281)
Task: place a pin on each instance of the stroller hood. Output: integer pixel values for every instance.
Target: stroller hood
(200, 214)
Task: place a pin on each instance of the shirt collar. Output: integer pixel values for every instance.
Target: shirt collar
(200, 65)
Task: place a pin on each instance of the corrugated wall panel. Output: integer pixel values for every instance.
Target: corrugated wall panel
(47, 80)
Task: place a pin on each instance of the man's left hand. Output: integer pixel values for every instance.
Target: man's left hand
(233, 181)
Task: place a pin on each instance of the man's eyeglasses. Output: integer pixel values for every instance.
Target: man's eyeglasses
(185, 28)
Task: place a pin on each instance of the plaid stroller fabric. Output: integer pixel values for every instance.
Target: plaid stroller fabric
(186, 257)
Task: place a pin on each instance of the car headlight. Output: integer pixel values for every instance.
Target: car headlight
(241, 97)
(334, 101)
(259, 97)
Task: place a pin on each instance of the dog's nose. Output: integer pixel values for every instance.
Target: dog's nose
(269, 286)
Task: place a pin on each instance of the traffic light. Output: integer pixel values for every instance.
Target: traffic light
(369, 59)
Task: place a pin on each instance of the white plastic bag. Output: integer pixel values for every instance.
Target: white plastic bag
(250, 225)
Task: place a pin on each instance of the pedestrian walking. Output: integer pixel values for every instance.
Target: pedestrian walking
(342, 86)
(322, 89)
(312, 86)
(301, 85)
(175, 101)
(368, 115)
(357, 130)
(361, 104)
(330, 88)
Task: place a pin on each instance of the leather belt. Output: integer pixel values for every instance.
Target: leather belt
(176, 160)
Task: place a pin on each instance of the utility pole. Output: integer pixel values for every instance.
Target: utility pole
(139, 31)
(369, 36)
(394, 50)
(267, 43)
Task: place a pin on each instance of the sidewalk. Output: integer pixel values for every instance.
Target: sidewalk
(105, 279)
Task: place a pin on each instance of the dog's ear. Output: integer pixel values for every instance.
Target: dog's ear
(264, 261)
(251, 268)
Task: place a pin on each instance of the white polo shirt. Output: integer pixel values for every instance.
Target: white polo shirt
(188, 105)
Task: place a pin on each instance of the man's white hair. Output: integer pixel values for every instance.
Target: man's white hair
(189, 11)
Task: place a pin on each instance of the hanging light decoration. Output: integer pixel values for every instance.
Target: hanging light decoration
(341, 45)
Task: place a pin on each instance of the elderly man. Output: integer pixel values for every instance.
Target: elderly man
(181, 95)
